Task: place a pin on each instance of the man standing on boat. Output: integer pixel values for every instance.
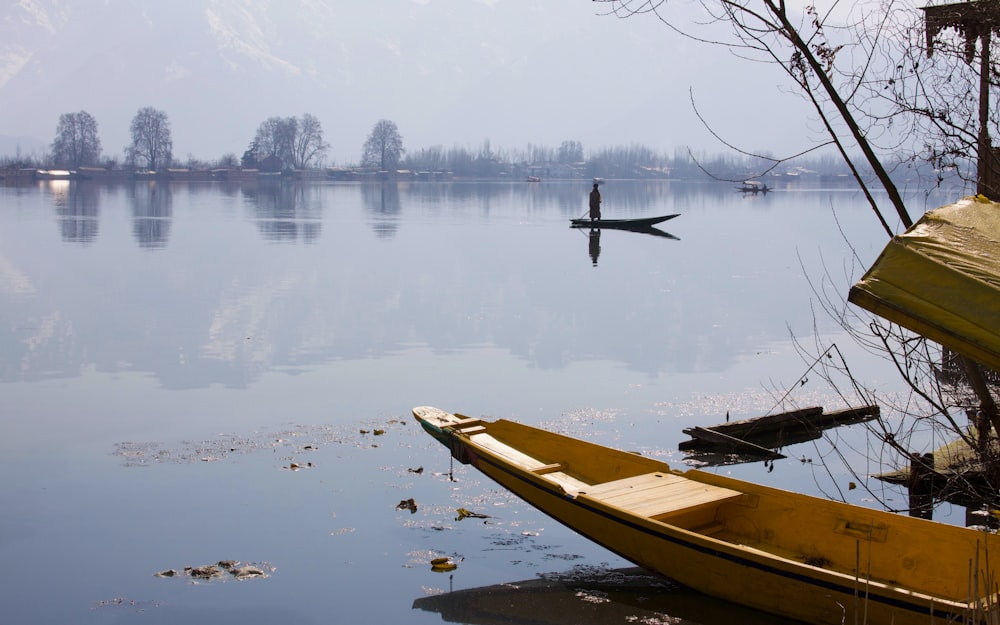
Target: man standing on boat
(595, 203)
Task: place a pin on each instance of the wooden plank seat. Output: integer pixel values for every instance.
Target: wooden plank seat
(567, 482)
(552, 472)
(657, 494)
(514, 456)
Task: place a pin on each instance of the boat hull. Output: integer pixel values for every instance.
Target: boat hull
(620, 224)
(683, 548)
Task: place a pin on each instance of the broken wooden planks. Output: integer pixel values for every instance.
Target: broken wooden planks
(772, 431)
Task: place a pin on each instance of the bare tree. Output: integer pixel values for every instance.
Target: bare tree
(308, 145)
(287, 142)
(151, 146)
(570, 152)
(228, 161)
(861, 95)
(273, 144)
(799, 44)
(936, 83)
(433, 158)
(77, 143)
(384, 147)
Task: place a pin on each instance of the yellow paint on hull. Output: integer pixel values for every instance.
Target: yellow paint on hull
(789, 554)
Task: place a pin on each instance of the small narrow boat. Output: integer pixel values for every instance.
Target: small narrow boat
(753, 186)
(802, 557)
(620, 224)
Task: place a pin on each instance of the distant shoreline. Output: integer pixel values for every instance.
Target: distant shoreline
(25, 175)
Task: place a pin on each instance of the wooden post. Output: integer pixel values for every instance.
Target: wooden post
(921, 485)
(976, 21)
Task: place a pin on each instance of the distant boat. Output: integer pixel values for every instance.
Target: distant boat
(807, 558)
(534, 179)
(753, 186)
(54, 174)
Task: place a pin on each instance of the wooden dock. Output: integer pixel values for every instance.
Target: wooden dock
(761, 435)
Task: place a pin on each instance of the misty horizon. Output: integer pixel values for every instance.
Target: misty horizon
(512, 74)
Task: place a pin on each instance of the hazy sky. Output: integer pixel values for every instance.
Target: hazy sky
(447, 72)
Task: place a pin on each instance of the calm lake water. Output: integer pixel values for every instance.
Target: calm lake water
(196, 373)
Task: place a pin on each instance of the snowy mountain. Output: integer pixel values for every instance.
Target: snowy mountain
(447, 72)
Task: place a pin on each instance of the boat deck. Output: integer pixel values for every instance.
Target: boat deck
(656, 495)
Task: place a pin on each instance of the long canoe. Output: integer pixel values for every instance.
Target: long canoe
(789, 554)
(620, 224)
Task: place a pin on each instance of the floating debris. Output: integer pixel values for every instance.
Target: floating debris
(407, 504)
(467, 514)
(203, 572)
(122, 602)
(593, 596)
(418, 470)
(142, 454)
(220, 569)
(247, 571)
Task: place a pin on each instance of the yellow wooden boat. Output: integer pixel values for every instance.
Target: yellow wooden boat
(794, 555)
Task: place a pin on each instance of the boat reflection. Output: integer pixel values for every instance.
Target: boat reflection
(628, 227)
(594, 237)
(589, 595)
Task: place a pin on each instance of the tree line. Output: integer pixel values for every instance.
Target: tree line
(282, 143)
(298, 143)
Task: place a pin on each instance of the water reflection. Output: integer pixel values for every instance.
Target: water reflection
(285, 212)
(594, 238)
(569, 196)
(589, 595)
(77, 207)
(489, 265)
(382, 201)
(289, 211)
(152, 212)
(486, 304)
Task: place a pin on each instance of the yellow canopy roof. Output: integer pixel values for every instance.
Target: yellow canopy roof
(941, 279)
